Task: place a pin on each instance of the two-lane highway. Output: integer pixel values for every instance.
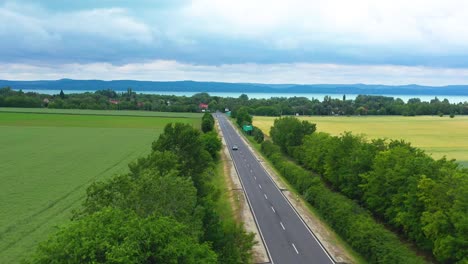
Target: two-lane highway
(287, 238)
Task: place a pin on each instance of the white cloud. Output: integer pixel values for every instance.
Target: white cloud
(422, 25)
(112, 23)
(163, 70)
(78, 43)
(33, 28)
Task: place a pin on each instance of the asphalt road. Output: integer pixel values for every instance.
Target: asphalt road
(287, 238)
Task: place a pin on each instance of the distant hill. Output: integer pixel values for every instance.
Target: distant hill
(192, 86)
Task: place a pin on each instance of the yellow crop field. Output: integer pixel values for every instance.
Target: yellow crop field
(439, 136)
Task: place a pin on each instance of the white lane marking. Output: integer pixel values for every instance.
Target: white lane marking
(266, 197)
(260, 186)
(251, 171)
(294, 246)
(255, 177)
(273, 209)
(281, 223)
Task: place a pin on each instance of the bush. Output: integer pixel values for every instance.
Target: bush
(258, 134)
(115, 236)
(410, 191)
(288, 132)
(208, 122)
(353, 223)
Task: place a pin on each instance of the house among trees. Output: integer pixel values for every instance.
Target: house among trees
(203, 107)
(114, 101)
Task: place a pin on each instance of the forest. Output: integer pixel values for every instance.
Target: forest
(355, 184)
(275, 106)
(162, 211)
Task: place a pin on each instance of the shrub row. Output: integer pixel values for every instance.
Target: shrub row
(208, 122)
(353, 223)
(423, 198)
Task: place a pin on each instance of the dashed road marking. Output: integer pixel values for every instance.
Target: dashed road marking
(260, 186)
(266, 197)
(294, 246)
(273, 209)
(281, 223)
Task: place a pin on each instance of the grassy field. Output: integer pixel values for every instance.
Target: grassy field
(98, 112)
(439, 136)
(48, 160)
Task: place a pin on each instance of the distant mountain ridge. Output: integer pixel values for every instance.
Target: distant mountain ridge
(194, 86)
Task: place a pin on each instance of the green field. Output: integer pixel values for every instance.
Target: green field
(439, 136)
(48, 160)
(98, 112)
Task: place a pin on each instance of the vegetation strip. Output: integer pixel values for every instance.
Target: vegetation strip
(276, 106)
(383, 247)
(422, 198)
(167, 196)
(438, 136)
(91, 114)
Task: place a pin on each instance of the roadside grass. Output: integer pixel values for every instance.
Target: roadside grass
(335, 238)
(47, 161)
(438, 136)
(224, 206)
(227, 206)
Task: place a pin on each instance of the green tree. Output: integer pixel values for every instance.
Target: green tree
(118, 236)
(288, 132)
(243, 117)
(185, 142)
(445, 220)
(345, 158)
(62, 95)
(257, 133)
(207, 123)
(390, 189)
(212, 144)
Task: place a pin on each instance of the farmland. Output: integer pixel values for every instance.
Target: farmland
(48, 159)
(437, 135)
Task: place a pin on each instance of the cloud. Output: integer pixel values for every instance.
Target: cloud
(305, 73)
(31, 32)
(356, 22)
(417, 41)
(111, 23)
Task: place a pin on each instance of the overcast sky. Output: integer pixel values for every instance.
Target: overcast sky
(269, 41)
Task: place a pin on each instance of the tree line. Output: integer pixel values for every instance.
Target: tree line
(275, 106)
(361, 105)
(243, 117)
(162, 211)
(423, 199)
